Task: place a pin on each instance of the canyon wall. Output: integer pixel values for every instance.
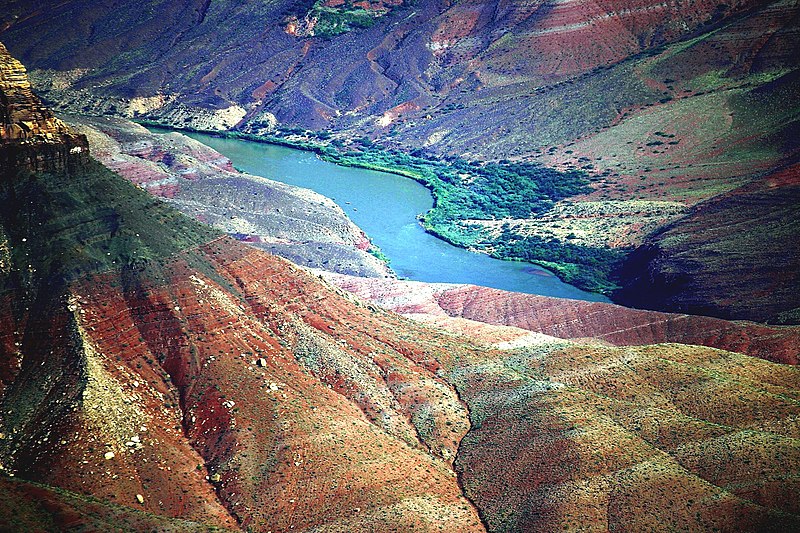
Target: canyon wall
(732, 256)
(155, 373)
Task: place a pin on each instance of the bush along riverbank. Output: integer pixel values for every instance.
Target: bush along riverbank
(466, 193)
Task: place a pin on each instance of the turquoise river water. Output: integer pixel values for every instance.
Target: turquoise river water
(385, 206)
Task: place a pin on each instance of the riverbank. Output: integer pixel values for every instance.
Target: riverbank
(471, 200)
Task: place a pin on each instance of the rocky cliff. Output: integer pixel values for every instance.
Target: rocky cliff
(30, 135)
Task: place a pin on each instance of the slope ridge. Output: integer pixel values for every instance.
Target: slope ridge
(148, 361)
(573, 319)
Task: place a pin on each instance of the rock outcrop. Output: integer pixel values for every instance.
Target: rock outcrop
(30, 135)
(24, 118)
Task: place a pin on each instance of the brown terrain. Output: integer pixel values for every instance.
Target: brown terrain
(569, 319)
(37, 507)
(157, 374)
(665, 107)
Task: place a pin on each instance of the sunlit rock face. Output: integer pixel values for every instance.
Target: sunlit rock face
(30, 135)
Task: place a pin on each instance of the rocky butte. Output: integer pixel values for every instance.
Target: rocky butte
(158, 374)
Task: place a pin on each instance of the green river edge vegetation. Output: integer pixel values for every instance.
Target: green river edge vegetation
(465, 192)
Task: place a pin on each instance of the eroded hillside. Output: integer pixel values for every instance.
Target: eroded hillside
(155, 373)
(295, 223)
(228, 387)
(664, 107)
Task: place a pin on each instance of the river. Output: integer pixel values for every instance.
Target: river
(385, 206)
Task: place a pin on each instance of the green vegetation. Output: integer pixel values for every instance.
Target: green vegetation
(466, 193)
(333, 21)
(583, 266)
(378, 253)
(791, 317)
(69, 224)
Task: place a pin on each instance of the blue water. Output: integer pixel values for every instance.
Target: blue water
(385, 206)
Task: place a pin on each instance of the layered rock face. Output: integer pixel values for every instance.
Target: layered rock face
(30, 135)
(24, 117)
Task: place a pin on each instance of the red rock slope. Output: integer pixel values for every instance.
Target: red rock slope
(576, 319)
(148, 362)
(221, 384)
(309, 410)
